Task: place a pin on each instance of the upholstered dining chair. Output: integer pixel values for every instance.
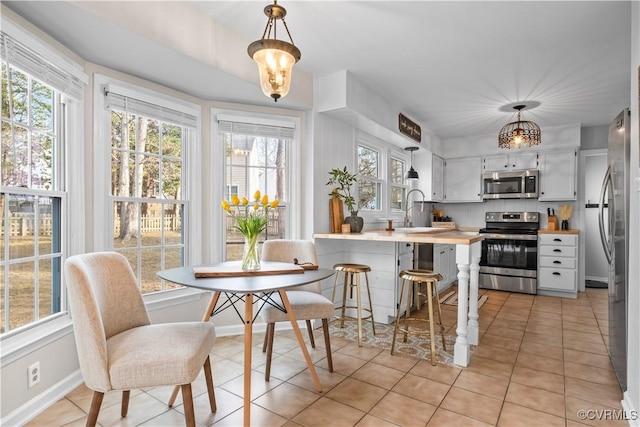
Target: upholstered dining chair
(118, 347)
(306, 301)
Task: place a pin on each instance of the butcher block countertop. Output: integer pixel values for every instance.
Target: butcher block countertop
(545, 231)
(452, 236)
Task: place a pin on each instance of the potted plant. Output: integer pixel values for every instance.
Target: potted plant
(341, 181)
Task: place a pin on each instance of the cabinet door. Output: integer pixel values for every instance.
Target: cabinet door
(437, 179)
(453, 267)
(462, 180)
(558, 175)
(495, 163)
(441, 261)
(404, 257)
(523, 161)
(503, 162)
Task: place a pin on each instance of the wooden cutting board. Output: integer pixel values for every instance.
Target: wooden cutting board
(336, 213)
(235, 270)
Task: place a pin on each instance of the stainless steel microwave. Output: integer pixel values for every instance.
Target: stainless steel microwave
(510, 185)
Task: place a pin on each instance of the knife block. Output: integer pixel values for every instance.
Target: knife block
(552, 222)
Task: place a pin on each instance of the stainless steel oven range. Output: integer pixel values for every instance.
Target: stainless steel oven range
(510, 252)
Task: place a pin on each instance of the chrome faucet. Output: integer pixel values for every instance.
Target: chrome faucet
(408, 208)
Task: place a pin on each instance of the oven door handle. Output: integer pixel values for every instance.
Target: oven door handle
(510, 236)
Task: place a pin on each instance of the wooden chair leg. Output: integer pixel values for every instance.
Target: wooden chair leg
(209, 379)
(96, 402)
(187, 400)
(271, 327)
(327, 343)
(266, 339)
(310, 330)
(125, 403)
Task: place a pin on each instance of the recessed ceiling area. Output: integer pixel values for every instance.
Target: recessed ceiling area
(451, 66)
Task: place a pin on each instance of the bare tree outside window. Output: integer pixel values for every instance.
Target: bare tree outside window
(147, 188)
(369, 186)
(30, 211)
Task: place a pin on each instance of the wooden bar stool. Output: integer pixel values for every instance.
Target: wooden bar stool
(430, 279)
(349, 271)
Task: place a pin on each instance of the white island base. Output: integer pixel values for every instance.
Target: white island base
(389, 252)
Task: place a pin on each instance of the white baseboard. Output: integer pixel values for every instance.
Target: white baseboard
(42, 401)
(632, 413)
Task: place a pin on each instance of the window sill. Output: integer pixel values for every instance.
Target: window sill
(17, 346)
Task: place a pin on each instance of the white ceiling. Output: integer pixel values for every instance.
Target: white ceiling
(452, 66)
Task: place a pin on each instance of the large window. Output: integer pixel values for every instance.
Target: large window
(148, 196)
(257, 159)
(35, 97)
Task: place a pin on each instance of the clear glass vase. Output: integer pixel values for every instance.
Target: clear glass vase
(250, 258)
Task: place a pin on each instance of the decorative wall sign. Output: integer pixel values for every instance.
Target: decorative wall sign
(409, 128)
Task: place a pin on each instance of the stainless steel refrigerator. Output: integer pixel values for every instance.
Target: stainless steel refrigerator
(615, 189)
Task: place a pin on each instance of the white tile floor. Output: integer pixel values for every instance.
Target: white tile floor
(540, 361)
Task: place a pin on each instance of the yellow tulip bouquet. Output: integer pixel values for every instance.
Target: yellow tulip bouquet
(251, 219)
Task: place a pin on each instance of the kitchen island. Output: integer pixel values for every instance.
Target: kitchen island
(391, 251)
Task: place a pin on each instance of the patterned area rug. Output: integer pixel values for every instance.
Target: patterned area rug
(451, 298)
(416, 345)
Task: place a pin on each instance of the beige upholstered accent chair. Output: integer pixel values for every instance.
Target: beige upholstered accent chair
(306, 300)
(118, 347)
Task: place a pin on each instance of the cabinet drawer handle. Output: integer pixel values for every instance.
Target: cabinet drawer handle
(557, 250)
(557, 262)
(557, 240)
(555, 273)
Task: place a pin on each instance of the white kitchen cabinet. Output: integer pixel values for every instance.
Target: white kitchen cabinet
(431, 170)
(558, 264)
(437, 179)
(463, 180)
(453, 267)
(558, 175)
(404, 254)
(441, 261)
(510, 162)
(444, 262)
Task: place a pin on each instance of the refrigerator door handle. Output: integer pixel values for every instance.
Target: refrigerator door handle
(603, 237)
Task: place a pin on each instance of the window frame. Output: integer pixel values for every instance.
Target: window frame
(103, 235)
(386, 152)
(394, 154)
(258, 115)
(69, 187)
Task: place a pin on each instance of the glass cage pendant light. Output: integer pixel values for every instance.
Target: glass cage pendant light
(412, 173)
(275, 58)
(518, 134)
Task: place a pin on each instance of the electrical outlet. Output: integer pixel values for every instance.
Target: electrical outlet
(33, 373)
